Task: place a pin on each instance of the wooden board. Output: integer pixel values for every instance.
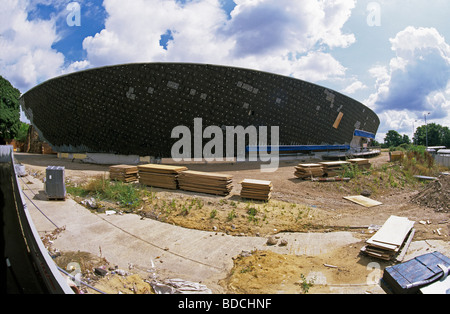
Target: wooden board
(362, 200)
(331, 164)
(393, 232)
(310, 165)
(206, 175)
(257, 185)
(256, 182)
(338, 120)
(161, 168)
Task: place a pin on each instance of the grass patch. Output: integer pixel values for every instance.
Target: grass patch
(127, 195)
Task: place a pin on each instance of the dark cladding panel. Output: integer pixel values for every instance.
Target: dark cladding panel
(132, 109)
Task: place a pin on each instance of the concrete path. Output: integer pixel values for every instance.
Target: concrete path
(172, 251)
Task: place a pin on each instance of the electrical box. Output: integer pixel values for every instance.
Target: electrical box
(55, 185)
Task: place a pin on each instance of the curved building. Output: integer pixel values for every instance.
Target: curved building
(132, 109)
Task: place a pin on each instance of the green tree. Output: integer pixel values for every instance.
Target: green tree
(405, 139)
(393, 139)
(437, 135)
(23, 132)
(9, 110)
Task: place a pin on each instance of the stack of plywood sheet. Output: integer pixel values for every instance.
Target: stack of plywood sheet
(396, 156)
(390, 238)
(361, 163)
(308, 171)
(256, 189)
(205, 182)
(161, 176)
(333, 168)
(124, 173)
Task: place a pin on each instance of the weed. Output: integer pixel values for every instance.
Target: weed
(252, 212)
(247, 269)
(305, 284)
(184, 210)
(231, 215)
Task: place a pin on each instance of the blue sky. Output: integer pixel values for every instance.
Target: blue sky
(393, 56)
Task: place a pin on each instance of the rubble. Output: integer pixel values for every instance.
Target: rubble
(435, 195)
(179, 286)
(90, 203)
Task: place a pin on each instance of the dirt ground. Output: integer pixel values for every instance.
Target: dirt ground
(296, 206)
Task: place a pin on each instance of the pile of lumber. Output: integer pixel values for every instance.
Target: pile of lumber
(391, 240)
(124, 173)
(333, 168)
(161, 176)
(362, 163)
(256, 189)
(308, 171)
(205, 182)
(395, 156)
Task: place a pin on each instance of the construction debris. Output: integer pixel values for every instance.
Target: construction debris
(123, 173)
(179, 286)
(20, 170)
(334, 168)
(438, 287)
(256, 189)
(396, 156)
(161, 176)
(308, 171)
(435, 195)
(392, 237)
(205, 182)
(415, 274)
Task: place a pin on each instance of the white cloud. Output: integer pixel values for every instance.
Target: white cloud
(26, 55)
(282, 36)
(354, 87)
(417, 80)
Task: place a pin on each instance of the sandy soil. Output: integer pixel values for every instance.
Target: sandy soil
(296, 206)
